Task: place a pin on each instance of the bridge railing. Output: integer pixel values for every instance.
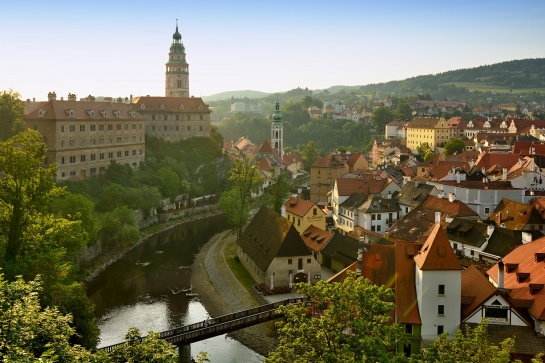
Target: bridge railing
(220, 325)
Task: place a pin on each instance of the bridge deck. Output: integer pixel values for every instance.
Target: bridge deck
(223, 324)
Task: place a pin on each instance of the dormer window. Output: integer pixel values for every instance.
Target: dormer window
(131, 113)
(200, 107)
(41, 113)
(116, 113)
(522, 276)
(104, 113)
(510, 267)
(91, 113)
(69, 112)
(181, 107)
(162, 106)
(142, 106)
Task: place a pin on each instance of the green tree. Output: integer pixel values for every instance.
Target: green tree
(144, 349)
(381, 117)
(119, 228)
(12, 114)
(454, 146)
(170, 186)
(469, 346)
(404, 111)
(429, 155)
(25, 187)
(422, 149)
(354, 325)
(310, 153)
(76, 207)
(278, 190)
(245, 179)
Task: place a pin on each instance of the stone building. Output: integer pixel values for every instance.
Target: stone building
(82, 137)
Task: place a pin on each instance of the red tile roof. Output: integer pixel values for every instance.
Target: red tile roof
(436, 253)
(524, 275)
(316, 238)
(406, 305)
(476, 289)
(456, 208)
(365, 186)
(170, 104)
(299, 206)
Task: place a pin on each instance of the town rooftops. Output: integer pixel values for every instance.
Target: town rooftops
(85, 110)
(170, 104)
(315, 238)
(298, 206)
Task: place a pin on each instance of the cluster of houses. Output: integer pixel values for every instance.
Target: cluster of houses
(457, 238)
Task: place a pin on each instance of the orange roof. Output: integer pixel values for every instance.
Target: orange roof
(316, 238)
(455, 208)
(476, 289)
(170, 104)
(443, 168)
(436, 253)
(365, 186)
(524, 275)
(81, 110)
(329, 161)
(299, 206)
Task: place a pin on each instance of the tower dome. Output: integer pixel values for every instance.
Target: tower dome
(177, 36)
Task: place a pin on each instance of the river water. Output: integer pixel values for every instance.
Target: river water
(147, 288)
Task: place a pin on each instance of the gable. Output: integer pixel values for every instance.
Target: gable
(436, 253)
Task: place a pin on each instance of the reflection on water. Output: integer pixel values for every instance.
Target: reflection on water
(147, 289)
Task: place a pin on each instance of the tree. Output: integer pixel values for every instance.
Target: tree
(354, 325)
(310, 153)
(453, 146)
(429, 155)
(381, 117)
(469, 346)
(245, 179)
(12, 114)
(144, 349)
(25, 187)
(278, 190)
(404, 111)
(170, 186)
(422, 149)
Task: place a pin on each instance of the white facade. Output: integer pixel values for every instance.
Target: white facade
(482, 201)
(439, 302)
(497, 314)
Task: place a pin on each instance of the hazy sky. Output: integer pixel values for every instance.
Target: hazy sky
(118, 48)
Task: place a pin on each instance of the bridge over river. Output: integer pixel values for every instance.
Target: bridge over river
(185, 335)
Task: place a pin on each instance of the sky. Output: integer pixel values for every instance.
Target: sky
(119, 48)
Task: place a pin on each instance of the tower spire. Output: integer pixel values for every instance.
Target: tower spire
(277, 130)
(177, 69)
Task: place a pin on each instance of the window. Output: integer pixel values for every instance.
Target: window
(486, 210)
(134, 152)
(62, 128)
(82, 158)
(100, 127)
(93, 156)
(126, 126)
(126, 152)
(119, 154)
(110, 140)
(441, 290)
(134, 126)
(378, 228)
(82, 127)
(118, 126)
(62, 160)
(379, 216)
(440, 309)
(290, 261)
(309, 260)
(119, 139)
(440, 329)
(373, 217)
(408, 329)
(110, 155)
(101, 156)
(72, 128)
(93, 127)
(72, 142)
(314, 211)
(110, 127)
(72, 159)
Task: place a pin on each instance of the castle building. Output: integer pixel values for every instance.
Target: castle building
(177, 69)
(82, 137)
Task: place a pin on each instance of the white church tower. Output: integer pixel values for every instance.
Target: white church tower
(277, 131)
(438, 280)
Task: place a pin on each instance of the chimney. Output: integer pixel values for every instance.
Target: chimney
(504, 174)
(526, 238)
(457, 177)
(441, 194)
(51, 96)
(72, 97)
(451, 197)
(500, 275)
(489, 230)
(437, 217)
(498, 218)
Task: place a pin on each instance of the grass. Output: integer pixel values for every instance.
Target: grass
(238, 270)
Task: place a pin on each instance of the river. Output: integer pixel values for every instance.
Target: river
(147, 287)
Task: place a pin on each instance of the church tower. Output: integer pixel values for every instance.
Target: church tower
(277, 131)
(177, 69)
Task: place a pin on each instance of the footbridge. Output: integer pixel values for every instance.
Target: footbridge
(185, 335)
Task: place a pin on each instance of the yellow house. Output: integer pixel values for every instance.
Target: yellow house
(435, 131)
(304, 213)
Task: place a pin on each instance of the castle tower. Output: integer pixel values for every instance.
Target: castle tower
(177, 69)
(277, 131)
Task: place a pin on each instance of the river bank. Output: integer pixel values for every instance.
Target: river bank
(221, 293)
(99, 263)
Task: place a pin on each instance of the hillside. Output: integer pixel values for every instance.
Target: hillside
(235, 94)
(507, 79)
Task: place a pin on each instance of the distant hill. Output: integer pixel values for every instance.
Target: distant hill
(508, 79)
(236, 94)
